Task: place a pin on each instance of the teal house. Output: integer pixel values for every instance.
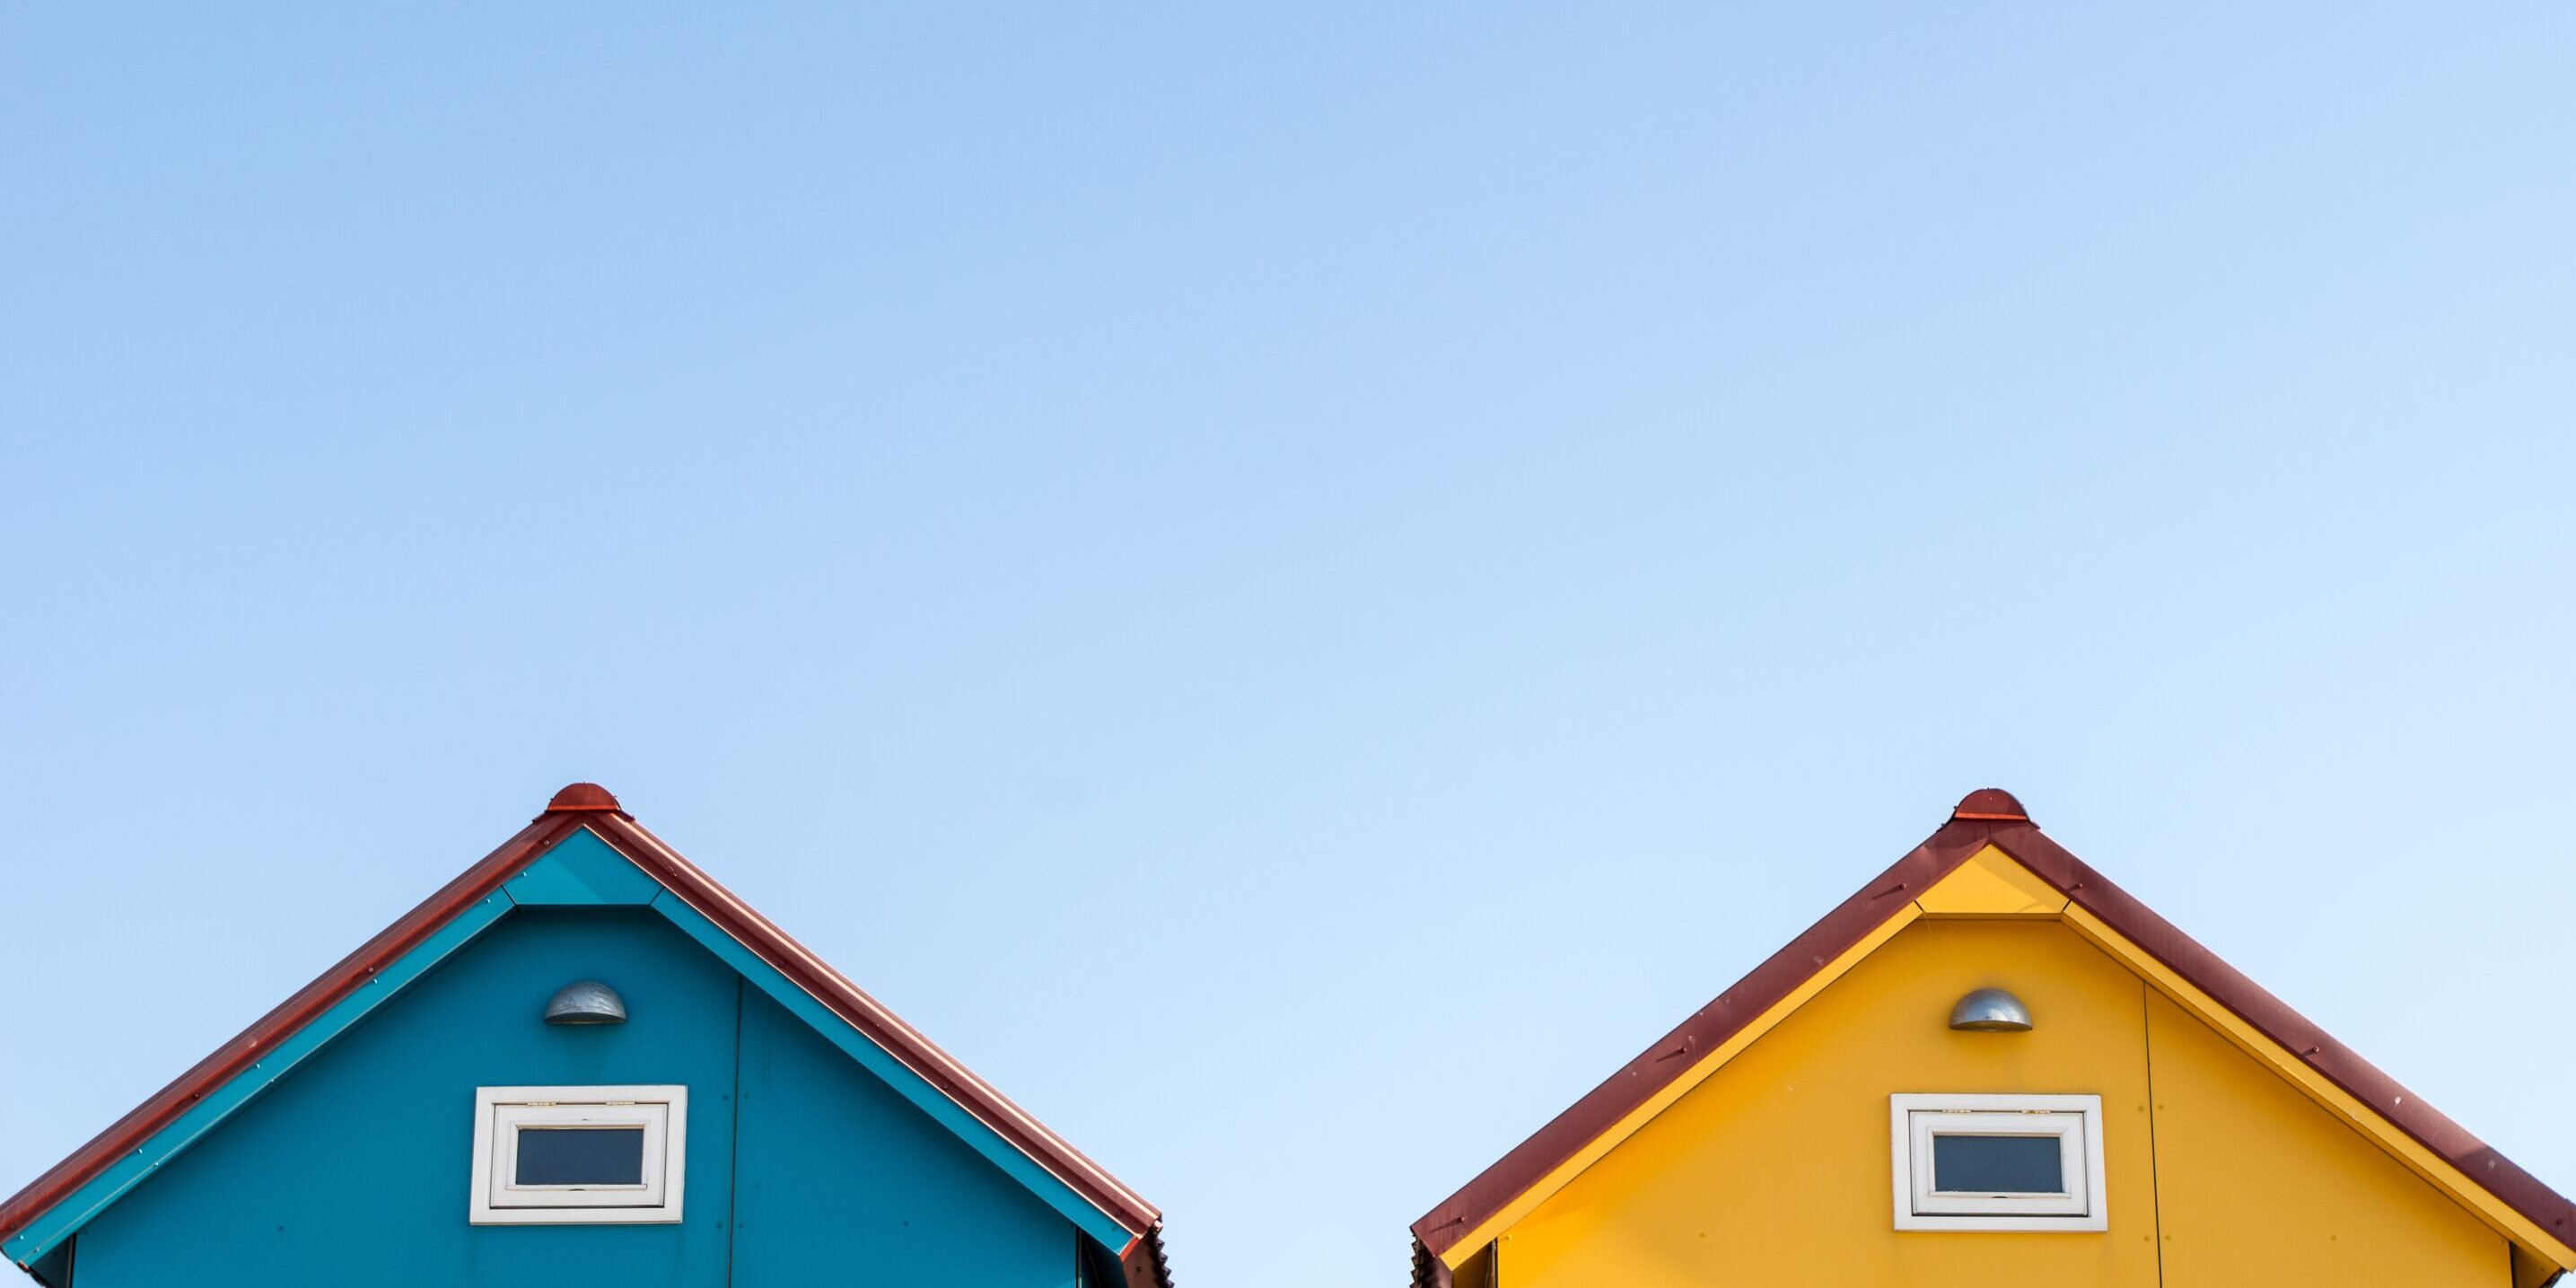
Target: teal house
(582, 1062)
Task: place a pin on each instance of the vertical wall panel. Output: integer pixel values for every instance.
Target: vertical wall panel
(845, 1182)
(1775, 1170)
(2261, 1186)
(354, 1169)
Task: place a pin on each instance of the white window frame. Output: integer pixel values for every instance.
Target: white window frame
(662, 1112)
(2075, 1122)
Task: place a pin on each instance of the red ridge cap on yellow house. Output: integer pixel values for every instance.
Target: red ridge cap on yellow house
(1988, 863)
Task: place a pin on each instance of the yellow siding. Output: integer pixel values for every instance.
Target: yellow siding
(2260, 1185)
(2540, 1245)
(1826, 974)
(1990, 884)
(1774, 1172)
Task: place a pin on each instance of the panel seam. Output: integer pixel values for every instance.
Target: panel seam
(733, 1147)
(2155, 1169)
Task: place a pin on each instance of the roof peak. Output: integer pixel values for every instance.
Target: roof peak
(584, 798)
(1992, 803)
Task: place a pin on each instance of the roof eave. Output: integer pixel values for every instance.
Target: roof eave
(228, 1061)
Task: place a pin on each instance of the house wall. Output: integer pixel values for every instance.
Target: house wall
(844, 1182)
(355, 1168)
(2280, 1192)
(1775, 1170)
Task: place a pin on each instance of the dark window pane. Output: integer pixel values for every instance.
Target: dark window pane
(1996, 1165)
(581, 1156)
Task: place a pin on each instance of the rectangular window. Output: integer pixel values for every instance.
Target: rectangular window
(579, 1155)
(1965, 1164)
(1991, 1162)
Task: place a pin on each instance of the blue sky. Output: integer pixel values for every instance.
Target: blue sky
(1292, 585)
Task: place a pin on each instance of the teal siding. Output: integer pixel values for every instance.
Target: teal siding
(581, 869)
(843, 1181)
(894, 1073)
(353, 1168)
(45, 1235)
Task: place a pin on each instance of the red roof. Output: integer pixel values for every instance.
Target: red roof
(1987, 817)
(587, 805)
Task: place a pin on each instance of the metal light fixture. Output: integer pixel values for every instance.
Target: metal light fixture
(586, 1002)
(1990, 1010)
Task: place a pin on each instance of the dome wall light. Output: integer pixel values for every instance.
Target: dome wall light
(1990, 1010)
(586, 1002)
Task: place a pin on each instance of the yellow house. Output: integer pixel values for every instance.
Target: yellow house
(1992, 1067)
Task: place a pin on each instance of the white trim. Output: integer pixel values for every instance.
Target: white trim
(2064, 1129)
(2075, 1122)
(496, 1197)
(510, 1123)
